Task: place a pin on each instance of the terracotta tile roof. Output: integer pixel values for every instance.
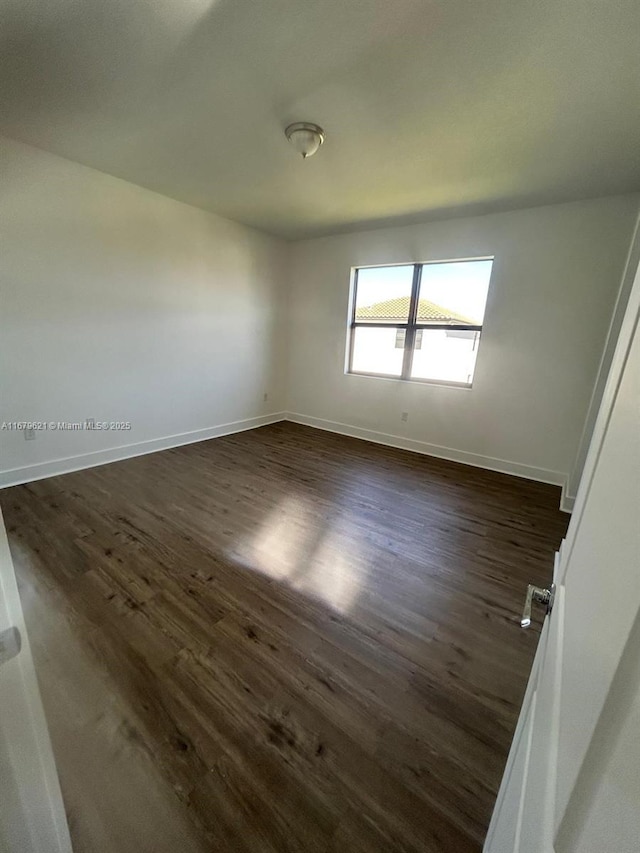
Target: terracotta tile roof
(397, 310)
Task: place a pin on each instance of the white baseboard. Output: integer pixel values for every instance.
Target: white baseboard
(567, 501)
(53, 468)
(517, 469)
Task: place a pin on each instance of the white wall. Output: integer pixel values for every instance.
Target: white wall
(121, 304)
(556, 275)
(633, 258)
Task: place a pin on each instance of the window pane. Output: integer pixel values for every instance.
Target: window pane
(383, 294)
(374, 351)
(454, 293)
(447, 356)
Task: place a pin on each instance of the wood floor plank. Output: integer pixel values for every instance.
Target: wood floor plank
(281, 640)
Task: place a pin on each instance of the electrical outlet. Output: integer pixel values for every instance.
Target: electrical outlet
(29, 433)
(265, 397)
(404, 416)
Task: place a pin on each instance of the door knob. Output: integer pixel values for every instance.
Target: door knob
(541, 595)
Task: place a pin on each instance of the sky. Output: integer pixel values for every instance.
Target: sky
(459, 286)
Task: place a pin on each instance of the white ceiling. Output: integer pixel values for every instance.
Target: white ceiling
(431, 109)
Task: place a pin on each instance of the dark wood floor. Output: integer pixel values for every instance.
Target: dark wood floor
(282, 640)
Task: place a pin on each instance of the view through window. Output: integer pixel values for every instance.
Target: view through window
(419, 321)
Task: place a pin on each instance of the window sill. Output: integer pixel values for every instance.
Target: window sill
(439, 383)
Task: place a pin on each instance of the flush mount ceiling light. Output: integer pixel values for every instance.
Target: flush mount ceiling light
(305, 137)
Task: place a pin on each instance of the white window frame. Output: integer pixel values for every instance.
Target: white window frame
(411, 327)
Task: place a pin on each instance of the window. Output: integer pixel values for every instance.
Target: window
(419, 322)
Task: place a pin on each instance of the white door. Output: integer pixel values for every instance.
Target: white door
(32, 818)
(572, 781)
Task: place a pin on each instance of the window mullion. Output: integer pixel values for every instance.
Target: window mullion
(352, 333)
(411, 325)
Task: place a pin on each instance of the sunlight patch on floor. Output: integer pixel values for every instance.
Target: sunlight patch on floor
(309, 553)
